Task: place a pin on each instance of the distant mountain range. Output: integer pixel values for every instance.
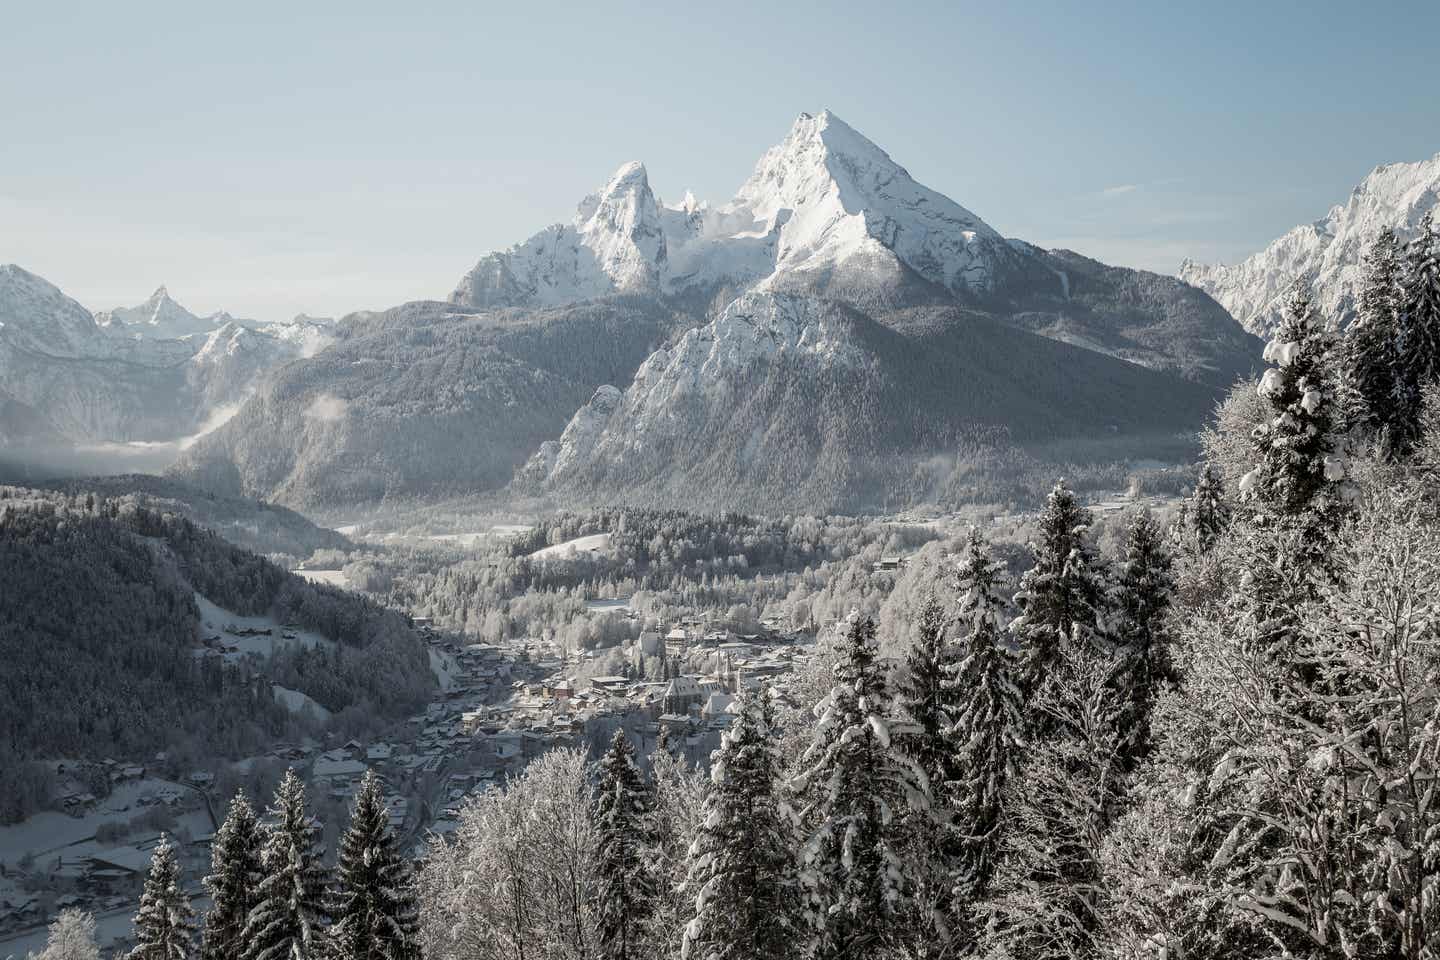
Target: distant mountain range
(833, 328)
(1328, 253)
(152, 373)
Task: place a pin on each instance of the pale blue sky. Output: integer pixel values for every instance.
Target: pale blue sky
(272, 158)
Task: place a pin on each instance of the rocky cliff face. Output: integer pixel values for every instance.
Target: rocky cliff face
(791, 402)
(1327, 254)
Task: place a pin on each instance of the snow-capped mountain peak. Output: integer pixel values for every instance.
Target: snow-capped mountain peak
(621, 226)
(1328, 252)
(824, 206)
(158, 318)
(614, 244)
(836, 195)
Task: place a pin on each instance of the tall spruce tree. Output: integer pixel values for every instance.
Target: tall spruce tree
(1298, 482)
(929, 701)
(1369, 357)
(1208, 514)
(235, 872)
(856, 785)
(374, 908)
(1141, 601)
(1418, 342)
(988, 725)
(1061, 598)
(925, 698)
(680, 789)
(165, 924)
(625, 840)
(741, 868)
(287, 922)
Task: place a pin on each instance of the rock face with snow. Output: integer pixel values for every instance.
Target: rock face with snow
(1328, 254)
(827, 212)
(150, 373)
(614, 245)
(788, 401)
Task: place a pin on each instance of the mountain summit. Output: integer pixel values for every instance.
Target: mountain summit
(158, 318)
(835, 197)
(822, 205)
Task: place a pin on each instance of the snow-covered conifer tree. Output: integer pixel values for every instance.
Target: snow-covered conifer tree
(374, 906)
(742, 872)
(929, 701)
(1298, 481)
(924, 697)
(1418, 343)
(165, 924)
(1061, 598)
(625, 842)
(1208, 512)
(287, 922)
(1141, 600)
(71, 936)
(987, 724)
(235, 872)
(1049, 891)
(855, 787)
(680, 790)
(1368, 352)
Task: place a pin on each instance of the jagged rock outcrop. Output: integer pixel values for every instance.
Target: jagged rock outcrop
(1328, 254)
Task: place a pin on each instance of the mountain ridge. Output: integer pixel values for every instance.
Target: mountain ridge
(92, 382)
(1326, 253)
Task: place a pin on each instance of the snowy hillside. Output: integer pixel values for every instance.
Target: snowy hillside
(1327, 252)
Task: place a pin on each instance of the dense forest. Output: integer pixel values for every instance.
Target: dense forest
(99, 631)
(669, 563)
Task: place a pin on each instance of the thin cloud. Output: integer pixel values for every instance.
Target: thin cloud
(1120, 189)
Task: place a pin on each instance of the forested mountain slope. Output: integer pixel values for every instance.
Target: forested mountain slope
(99, 634)
(250, 524)
(426, 399)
